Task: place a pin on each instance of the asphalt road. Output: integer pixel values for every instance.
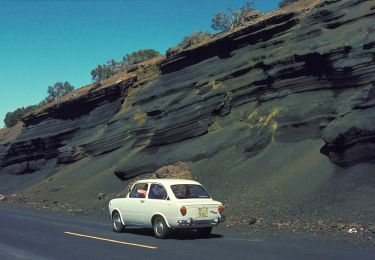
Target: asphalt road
(30, 235)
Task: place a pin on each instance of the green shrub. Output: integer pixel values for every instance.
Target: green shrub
(105, 71)
(139, 56)
(12, 118)
(194, 38)
(59, 89)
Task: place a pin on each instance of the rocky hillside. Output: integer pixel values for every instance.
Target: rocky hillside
(277, 119)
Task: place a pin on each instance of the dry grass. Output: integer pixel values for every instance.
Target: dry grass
(7, 135)
(302, 7)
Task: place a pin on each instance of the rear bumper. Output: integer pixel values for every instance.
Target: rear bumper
(199, 222)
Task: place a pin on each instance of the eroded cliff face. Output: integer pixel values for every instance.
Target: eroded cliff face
(276, 98)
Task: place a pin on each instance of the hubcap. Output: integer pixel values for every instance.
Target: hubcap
(159, 227)
(116, 221)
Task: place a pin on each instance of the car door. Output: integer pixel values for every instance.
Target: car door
(158, 202)
(133, 209)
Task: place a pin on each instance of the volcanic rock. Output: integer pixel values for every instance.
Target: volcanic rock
(252, 221)
(101, 195)
(179, 170)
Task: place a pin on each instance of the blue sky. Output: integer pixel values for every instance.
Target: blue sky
(42, 42)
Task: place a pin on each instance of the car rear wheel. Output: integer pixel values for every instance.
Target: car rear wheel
(160, 228)
(204, 231)
(117, 223)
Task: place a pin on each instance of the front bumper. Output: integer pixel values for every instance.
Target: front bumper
(200, 222)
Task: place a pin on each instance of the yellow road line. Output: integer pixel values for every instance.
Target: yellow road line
(110, 240)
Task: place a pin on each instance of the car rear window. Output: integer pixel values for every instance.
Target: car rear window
(189, 191)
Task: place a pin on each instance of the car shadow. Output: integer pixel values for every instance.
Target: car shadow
(191, 235)
(175, 234)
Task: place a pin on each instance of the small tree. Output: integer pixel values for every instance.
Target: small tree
(221, 22)
(284, 3)
(194, 38)
(59, 89)
(101, 72)
(139, 56)
(233, 18)
(115, 66)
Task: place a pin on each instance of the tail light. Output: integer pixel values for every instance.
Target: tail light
(221, 209)
(183, 211)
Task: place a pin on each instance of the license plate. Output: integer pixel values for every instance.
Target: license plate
(203, 212)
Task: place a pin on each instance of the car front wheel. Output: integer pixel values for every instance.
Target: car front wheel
(160, 228)
(117, 223)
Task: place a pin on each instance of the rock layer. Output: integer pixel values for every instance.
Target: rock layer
(283, 81)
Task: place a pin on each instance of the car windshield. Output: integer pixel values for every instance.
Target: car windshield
(189, 191)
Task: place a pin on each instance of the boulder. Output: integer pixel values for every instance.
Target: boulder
(101, 195)
(252, 14)
(2, 197)
(172, 51)
(179, 170)
(253, 221)
(132, 68)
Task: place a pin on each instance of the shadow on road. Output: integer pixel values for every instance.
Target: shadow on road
(175, 234)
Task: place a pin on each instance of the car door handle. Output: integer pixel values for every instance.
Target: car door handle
(142, 201)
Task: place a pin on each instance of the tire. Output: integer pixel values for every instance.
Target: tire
(117, 223)
(205, 232)
(160, 227)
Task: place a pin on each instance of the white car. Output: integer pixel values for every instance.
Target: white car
(165, 204)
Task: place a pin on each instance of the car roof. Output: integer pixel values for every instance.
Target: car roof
(169, 181)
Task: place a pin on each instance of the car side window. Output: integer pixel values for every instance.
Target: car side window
(139, 191)
(157, 192)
